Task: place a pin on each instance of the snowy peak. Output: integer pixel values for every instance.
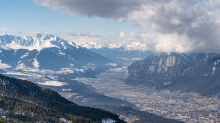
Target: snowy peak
(126, 46)
(42, 55)
(36, 42)
(134, 46)
(125, 53)
(92, 45)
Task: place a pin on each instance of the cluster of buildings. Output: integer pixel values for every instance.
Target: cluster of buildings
(187, 107)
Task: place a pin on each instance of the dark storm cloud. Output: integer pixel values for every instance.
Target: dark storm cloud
(102, 8)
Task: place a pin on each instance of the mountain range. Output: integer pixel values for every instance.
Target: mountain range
(193, 72)
(52, 62)
(48, 56)
(125, 52)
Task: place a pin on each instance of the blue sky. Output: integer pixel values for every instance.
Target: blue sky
(164, 26)
(26, 17)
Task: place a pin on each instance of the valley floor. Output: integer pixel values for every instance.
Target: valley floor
(187, 107)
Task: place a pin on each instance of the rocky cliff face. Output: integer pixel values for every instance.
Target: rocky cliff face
(160, 70)
(202, 78)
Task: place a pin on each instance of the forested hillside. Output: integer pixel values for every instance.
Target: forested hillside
(22, 92)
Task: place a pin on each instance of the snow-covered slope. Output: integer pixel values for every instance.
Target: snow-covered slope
(49, 57)
(91, 45)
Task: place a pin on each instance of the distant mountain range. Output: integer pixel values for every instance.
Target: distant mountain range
(122, 52)
(194, 72)
(45, 54)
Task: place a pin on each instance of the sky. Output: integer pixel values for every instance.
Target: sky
(182, 26)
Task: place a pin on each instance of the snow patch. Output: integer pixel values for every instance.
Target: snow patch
(36, 63)
(64, 120)
(112, 64)
(71, 65)
(123, 58)
(89, 67)
(91, 45)
(213, 69)
(20, 66)
(64, 71)
(108, 121)
(214, 66)
(136, 59)
(114, 46)
(135, 46)
(4, 82)
(62, 53)
(22, 74)
(79, 70)
(53, 83)
(25, 55)
(66, 90)
(64, 46)
(4, 66)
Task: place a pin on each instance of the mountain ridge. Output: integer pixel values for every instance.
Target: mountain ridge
(47, 98)
(194, 72)
(125, 52)
(46, 54)
(127, 46)
(38, 42)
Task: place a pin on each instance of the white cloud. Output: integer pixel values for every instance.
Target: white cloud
(73, 33)
(122, 34)
(172, 43)
(178, 25)
(9, 30)
(181, 26)
(42, 33)
(127, 34)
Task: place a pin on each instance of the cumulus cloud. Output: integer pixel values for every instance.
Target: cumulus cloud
(178, 25)
(9, 30)
(128, 35)
(141, 37)
(172, 43)
(73, 33)
(122, 34)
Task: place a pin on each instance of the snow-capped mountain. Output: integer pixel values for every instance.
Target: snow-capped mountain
(124, 52)
(127, 46)
(37, 42)
(45, 54)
